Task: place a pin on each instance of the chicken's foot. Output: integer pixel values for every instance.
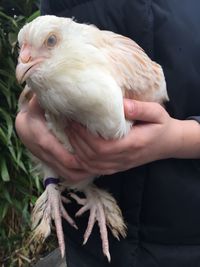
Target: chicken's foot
(104, 210)
(49, 206)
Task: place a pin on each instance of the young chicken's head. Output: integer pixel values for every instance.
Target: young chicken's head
(42, 46)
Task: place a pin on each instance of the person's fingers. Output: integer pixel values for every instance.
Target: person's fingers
(54, 151)
(81, 148)
(85, 139)
(95, 148)
(143, 111)
(94, 162)
(90, 143)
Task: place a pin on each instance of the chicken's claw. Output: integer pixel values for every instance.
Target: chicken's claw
(103, 209)
(49, 206)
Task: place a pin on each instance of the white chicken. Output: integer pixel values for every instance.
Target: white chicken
(81, 73)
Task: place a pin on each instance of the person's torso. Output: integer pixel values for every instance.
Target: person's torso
(160, 201)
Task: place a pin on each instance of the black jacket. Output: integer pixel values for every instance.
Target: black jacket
(160, 201)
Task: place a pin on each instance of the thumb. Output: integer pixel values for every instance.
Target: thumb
(143, 111)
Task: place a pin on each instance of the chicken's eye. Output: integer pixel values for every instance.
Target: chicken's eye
(51, 41)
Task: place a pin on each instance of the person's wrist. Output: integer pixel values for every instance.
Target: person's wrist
(177, 137)
(173, 142)
(185, 136)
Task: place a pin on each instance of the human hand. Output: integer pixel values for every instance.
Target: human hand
(159, 136)
(156, 136)
(32, 130)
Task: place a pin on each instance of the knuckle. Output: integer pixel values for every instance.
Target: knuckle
(102, 150)
(138, 144)
(162, 112)
(159, 109)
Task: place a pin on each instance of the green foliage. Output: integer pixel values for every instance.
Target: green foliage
(18, 187)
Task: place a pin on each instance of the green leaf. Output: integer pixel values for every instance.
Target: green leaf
(3, 137)
(33, 16)
(7, 196)
(6, 94)
(0, 48)
(3, 211)
(12, 152)
(12, 37)
(9, 123)
(10, 19)
(4, 171)
(4, 73)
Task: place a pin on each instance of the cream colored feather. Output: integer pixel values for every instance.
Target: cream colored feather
(81, 73)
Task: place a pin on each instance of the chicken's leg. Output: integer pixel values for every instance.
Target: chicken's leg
(49, 206)
(103, 209)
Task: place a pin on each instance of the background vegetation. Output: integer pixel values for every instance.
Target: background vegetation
(18, 187)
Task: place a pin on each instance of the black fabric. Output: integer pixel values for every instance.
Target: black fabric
(196, 118)
(160, 201)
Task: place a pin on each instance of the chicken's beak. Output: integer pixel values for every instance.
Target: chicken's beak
(26, 64)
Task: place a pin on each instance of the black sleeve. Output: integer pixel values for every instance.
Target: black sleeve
(196, 118)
